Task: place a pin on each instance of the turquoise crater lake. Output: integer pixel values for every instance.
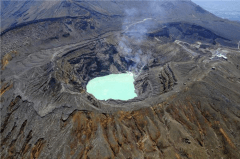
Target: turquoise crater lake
(114, 86)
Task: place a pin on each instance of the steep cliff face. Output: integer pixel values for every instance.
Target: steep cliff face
(187, 75)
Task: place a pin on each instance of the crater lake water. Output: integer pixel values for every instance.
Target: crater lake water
(113, 86)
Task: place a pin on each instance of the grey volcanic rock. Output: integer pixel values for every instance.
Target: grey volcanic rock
(184, 109)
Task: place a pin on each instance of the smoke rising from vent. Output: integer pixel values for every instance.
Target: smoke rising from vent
(135, 28)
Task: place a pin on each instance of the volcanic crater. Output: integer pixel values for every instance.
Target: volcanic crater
(185, 63)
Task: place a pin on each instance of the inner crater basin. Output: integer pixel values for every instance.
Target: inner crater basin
(113, 86)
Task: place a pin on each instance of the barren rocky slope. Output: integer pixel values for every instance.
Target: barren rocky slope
(187, 77)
